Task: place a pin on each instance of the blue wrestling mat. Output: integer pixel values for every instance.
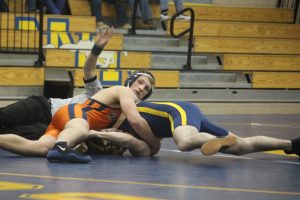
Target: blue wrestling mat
(169, 175)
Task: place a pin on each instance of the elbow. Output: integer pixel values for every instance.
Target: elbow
(141, 149)
(141, 153)
(155, 150)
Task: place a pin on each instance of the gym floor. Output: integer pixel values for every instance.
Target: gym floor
(169, 175)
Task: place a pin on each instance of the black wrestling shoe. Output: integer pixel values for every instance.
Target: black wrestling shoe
(295, 147)
(61, 152)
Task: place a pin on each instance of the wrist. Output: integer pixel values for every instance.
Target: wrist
(96, 49)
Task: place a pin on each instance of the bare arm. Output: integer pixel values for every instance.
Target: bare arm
(135, 146)
(138, 123)
(119, 121)
(133, 150)
(90, 63)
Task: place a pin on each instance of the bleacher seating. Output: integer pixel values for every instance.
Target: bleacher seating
(17, 6)
(240, 29)
(257, 62)
(202, 12)
(248, 31)
(67, 23)
(163, 79)
(240, 14)
(247, 45)
(79, 7)
(276, 80)
(116, 59)
(21, 76)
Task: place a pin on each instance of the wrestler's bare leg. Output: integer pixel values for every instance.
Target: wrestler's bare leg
(257, 144)
(22, 146)
(215, 145)
(75, 131)
(188, 138)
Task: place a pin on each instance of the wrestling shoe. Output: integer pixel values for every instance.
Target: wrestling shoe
(183, 18)
(295, 147)
(61, 152)
(215, 145)
(164, 17)
(125, 26)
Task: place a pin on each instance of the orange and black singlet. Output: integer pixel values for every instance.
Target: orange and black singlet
(98, 116)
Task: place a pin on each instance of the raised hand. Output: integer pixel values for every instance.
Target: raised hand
(103, 37)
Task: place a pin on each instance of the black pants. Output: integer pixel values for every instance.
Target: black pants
(3, 6)
(28, 118)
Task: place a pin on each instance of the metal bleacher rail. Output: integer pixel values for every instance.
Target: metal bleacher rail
(17, 36)
(189, 30)
(287, 4)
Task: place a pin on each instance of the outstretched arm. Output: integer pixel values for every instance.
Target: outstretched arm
(135, 146)
(90, 63)
(133, 149)
(138, 123)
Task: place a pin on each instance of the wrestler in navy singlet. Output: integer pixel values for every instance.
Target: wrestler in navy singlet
(164, 117)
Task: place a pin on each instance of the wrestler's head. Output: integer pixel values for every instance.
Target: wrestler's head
(142, 83)
(98, 146)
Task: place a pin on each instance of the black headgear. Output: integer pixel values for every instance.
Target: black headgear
(133, 76)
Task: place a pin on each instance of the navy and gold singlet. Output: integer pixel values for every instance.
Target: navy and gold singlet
(164, 117)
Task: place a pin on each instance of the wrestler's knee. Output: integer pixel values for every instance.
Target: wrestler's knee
(41, 149)
(183, 137)
(183, 141)
(183, 145)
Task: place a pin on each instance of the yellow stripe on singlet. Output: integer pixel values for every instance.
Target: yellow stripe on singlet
(158, 113)
(165, 114)
(178, 108)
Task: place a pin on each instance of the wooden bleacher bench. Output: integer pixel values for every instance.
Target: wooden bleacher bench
(51, 22)
(276, 80)
(61, 31)
(240, 29)
(202, 12)
(240, 14)
(80, 7)
(272, 39)
(111, 59)
(21, 82)
(21, 76)
(256, 62)
(83, 8)
(16, 6)
(65, 40)
(247, 45)
(163, 79)
(18, 39)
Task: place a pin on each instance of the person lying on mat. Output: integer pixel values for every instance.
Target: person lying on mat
(138, 86)
(190, 129)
